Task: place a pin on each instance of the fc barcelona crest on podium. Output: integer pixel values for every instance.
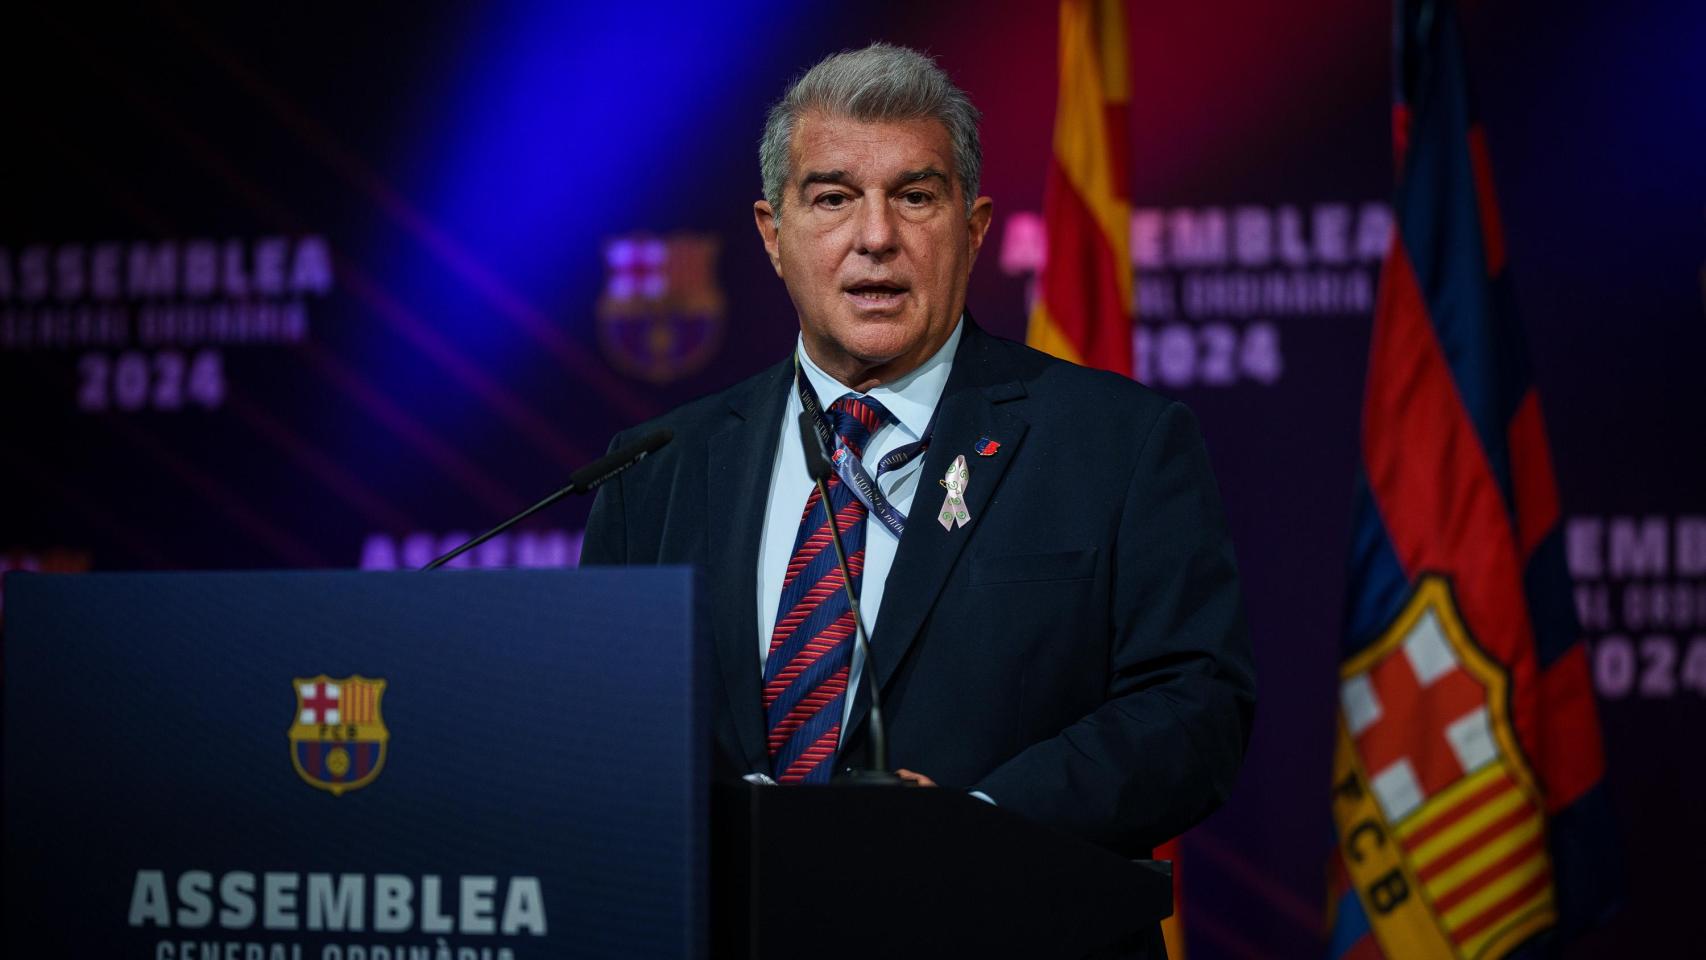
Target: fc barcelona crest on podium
(338, 739)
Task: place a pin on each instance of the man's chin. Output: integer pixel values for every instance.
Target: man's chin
(875, 353)
(873, 339)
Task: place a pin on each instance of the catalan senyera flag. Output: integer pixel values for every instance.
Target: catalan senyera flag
(1083, 306)
(1083, 310)
(1469, 814)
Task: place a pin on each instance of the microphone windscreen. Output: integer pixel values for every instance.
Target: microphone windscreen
(817, 459)
(613, 462)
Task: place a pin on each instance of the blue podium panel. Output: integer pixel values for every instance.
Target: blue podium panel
(360, 766)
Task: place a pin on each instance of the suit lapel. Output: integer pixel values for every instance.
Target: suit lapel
(970, 410)
(739, 465)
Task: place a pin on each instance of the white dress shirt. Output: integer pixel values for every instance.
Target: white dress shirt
(912, 401)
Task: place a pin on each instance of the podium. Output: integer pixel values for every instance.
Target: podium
(490, 763)
(915, 871)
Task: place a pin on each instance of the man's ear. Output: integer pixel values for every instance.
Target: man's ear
(765, 218)
(982, 212)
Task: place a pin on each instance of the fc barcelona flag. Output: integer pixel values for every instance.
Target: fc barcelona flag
(1469, 815)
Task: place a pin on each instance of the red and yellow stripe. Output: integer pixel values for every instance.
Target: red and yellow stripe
(1083, 312)
(1479, 850)
(1083, 309)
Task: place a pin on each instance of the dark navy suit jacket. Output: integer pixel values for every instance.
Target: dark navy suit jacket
(1078, 652)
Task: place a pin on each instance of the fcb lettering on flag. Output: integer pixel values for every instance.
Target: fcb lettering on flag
(1468, 808)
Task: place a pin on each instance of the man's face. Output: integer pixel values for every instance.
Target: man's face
(873, 243)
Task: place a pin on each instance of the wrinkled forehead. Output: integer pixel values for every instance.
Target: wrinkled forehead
(867, 149)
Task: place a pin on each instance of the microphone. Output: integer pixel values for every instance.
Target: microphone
(585, 480)
(819, 469)
(817, 460)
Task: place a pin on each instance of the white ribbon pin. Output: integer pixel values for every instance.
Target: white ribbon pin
(954, 505)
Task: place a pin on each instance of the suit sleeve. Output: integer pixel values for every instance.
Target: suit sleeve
(606, 542)
(1163, 750)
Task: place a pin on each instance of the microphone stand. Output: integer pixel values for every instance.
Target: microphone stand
(585, 480)
(817, 464)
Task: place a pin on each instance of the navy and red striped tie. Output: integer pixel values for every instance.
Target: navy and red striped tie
(805, 673)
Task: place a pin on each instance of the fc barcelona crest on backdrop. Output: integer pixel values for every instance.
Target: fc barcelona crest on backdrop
(338, 739)
(1435, 806)
(660, 317)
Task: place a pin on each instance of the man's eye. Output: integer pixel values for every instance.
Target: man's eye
(916, 198)
(832, 200)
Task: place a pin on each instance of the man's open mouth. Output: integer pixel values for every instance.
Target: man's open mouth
(876, 291)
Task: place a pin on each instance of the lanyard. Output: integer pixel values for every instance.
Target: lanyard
(848, 467)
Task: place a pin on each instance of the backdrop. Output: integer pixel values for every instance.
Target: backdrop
(334, 286)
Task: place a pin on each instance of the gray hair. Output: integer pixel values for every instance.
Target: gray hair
(879, 84)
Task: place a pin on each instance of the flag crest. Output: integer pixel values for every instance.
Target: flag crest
(1444, 822)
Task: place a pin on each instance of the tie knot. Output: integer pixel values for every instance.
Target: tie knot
(855, 418)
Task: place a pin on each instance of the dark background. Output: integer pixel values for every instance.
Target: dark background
(467, 167)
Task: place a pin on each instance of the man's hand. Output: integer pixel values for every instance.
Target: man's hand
(916, 779)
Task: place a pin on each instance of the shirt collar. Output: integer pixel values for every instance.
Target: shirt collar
(912, 399)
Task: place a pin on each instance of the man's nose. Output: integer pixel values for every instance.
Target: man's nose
(878, 233)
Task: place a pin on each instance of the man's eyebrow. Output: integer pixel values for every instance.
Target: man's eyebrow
(927, 173)
(840, 177)
(845, 179)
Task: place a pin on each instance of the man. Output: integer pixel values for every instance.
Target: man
(1053, 606)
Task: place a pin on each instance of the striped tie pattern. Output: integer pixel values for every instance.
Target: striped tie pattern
(805, 672)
